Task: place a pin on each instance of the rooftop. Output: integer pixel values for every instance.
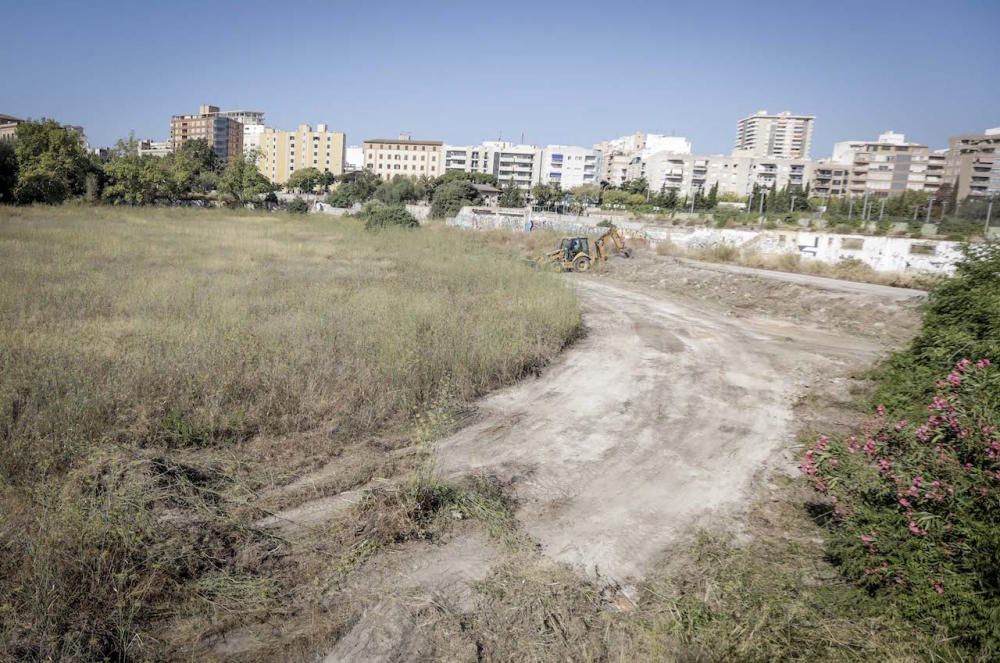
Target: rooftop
(408, 141)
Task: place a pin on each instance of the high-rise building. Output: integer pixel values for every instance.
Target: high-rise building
(223, 134)
(281, 153)
(388, 157)
(973, 163)
(253, 127)
(783, 135)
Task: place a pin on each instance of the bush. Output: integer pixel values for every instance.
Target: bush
(297, 206)
(913, 501)
(962, 319)
(379, 217)
(915, 506)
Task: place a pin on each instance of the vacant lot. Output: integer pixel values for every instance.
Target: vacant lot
(159, 368)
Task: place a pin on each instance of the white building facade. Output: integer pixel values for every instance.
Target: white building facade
(620, 156)
(570, 166)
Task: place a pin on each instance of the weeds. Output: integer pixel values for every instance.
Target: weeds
(139, 347)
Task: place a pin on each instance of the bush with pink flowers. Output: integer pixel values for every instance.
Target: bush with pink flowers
(915, 506)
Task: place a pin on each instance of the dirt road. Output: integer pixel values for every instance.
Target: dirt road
(663, 414)
(665, 417)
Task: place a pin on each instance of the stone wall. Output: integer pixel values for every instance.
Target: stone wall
(884, 254)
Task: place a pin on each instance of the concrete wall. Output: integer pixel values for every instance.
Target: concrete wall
(884, 254)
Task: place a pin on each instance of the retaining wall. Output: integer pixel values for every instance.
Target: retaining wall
(884, 254)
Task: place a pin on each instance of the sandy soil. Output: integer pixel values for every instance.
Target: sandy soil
(665, 417)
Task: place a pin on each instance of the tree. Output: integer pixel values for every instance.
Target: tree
(451, 197)
(52, 162)
(200, 155)
(546, 195)
(712, 200)
(133, 180)
(399, 190)
(305, 180)
(242, 182)
(511, 195)
(586, 194)
(380, 217)
(639, 186)
(8, 172)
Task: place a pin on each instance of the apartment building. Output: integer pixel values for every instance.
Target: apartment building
(224, 135)
(784, 135)
(620, 154)
(354, 158)
(8, 127)
(569, 166)
(520, 163)
(884, 167)
(973, 164)
(688, 173)
(281, 153)
(388, 157)
(154, 148)
(253, 127)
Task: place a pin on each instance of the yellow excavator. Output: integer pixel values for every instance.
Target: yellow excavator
(576, 254)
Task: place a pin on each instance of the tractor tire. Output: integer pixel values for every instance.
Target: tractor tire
(581, 264)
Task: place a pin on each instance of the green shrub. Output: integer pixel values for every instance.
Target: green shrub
(962, 319)
(913, 501)
(297, 206)
(380, 217)
(915, 507)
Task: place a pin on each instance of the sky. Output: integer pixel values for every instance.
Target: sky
(463, 72)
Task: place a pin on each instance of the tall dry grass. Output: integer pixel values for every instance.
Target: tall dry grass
(129, 337)
(848, 269)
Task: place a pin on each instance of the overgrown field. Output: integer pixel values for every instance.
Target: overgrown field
(142, 352)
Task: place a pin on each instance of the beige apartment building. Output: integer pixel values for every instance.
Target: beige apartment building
(224, 134)
(283, 152)
(784, 135)
(689, 173)
(885, 167)
(973, 164)
(388, 157)
(8, 127)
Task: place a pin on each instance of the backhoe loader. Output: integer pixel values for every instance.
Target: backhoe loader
(577, 255)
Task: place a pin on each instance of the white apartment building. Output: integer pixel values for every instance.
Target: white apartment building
(154, 148)
(783, 135)
(619, 155)
(570, 166)
(688, 173)
(354, 158)
(520, 163)
(253, 127)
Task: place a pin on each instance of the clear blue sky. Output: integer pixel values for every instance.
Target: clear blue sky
(573, 72)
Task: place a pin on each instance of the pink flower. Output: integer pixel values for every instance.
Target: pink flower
(915, 530)
(901, 424)
(982, 363)
(904, 502)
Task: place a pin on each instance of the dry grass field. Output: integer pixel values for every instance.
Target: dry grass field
(159, 367)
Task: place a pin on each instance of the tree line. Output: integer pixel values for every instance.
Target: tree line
(49, 163)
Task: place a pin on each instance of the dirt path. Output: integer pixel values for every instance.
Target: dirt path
(664, 414)
(660, 420)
